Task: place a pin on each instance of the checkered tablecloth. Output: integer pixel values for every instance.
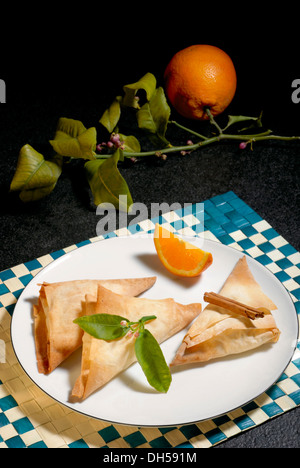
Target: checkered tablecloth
(30, 418)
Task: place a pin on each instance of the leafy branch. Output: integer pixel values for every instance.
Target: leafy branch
(148, 352)
(36, 177)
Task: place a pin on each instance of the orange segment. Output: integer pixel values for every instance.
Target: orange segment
(178, 256)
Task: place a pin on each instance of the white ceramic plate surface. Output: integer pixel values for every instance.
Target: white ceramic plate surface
(197, 392)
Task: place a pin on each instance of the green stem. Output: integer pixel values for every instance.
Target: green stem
(172, 149)
(103, 156)
(212, 120)
(192, 132)
(258, 137)
(205, 141)
(275, 137)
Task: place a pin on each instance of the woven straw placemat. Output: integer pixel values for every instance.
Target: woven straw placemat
(30, 418)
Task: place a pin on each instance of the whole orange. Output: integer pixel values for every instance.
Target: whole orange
(200, 76)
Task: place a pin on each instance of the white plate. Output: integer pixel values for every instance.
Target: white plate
(197, 392)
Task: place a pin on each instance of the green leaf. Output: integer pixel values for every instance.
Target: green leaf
(152, 361)
(35, 177)
(107, 183)
(73, 140)
(233, 119)
(71, 127)
(147, 318)
(147, 83)
(154, 116)
(103, 326)
(148, 353)
(111, 116)
(131, 143)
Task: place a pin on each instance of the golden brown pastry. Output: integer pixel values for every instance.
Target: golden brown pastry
(103, 360)
(218, 332)
(56, 336)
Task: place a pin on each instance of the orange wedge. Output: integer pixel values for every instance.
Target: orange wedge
(178, 256)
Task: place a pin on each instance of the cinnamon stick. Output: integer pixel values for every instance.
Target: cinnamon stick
(233, 306)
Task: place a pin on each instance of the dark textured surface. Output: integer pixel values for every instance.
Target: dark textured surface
(266, 178)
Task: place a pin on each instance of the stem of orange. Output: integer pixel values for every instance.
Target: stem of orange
(212, 120)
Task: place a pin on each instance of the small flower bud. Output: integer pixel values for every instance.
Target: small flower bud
(136, 334)
(115, 138)
(123, 323)
(189, 142)
(160, 155)
(243, 145)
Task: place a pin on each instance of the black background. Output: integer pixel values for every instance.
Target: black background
(72, 62)
(67, 60)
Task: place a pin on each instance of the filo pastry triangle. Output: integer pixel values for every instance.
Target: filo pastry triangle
(218, 332)
(103, 360)
(59, 304)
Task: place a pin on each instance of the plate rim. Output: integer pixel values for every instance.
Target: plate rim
(149, 236)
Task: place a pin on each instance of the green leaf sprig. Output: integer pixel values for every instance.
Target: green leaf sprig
(148, 352)
(73, 140)
(36, 176)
